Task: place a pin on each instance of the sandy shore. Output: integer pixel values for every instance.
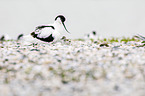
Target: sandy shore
(79, 68)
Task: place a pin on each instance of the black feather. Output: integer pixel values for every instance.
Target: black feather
(2, 38)
(34, 35)
(61, 17)
(20, 36)
(47, 39)
(43, 26)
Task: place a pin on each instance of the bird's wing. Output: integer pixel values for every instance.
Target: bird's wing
(44, 31)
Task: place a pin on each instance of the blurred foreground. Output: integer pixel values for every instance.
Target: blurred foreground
(77, 68)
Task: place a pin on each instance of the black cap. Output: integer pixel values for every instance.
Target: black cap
(61, 17)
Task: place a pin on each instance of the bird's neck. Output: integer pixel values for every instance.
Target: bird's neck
(58, 26)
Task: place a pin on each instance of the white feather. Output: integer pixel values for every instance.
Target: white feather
(45, 32)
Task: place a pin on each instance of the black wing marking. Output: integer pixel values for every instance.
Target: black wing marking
(47, 39)
(43, 26)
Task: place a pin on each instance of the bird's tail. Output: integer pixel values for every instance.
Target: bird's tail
(34, 35)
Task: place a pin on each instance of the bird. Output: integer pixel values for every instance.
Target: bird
(51, 32)
(140, 37)
(20, 36)
(2, 38)
(5, 37)
(92, 35)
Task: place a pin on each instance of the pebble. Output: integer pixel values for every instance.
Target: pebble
(77, 68)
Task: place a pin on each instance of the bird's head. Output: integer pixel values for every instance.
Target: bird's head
(61, 19)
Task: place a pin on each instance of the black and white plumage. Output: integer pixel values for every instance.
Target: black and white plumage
(140, 37)
(92, 35)
(5, 37)
(51, 32)
(20, 36)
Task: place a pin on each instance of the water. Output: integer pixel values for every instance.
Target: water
(107, 17)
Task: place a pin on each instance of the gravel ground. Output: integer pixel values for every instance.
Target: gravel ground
(79, 68)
